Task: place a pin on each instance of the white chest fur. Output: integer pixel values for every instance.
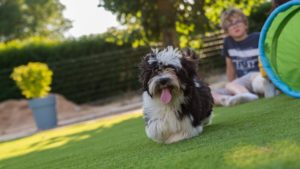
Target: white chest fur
(162, 123)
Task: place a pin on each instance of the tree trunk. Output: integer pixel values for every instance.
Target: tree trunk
(167, 12)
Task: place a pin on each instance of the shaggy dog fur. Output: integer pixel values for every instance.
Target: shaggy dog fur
(177, 104)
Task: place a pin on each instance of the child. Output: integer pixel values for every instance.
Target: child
(240, 49)
(241, 52)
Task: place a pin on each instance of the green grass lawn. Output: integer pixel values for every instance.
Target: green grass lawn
(262, 134)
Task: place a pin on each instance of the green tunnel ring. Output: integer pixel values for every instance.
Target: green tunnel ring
(279, 47)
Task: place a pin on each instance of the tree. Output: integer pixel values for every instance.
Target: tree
(24, 18)
(170, 20)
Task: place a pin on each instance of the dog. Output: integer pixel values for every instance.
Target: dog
(176, 103)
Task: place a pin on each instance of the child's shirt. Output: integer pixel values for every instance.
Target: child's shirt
(244, 54)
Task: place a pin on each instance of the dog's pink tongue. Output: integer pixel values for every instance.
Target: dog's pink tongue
(165, 96)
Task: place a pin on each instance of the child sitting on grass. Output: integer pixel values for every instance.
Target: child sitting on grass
(240, 50)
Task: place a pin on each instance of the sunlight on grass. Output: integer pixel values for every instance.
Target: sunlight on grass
(253, 156)
(60, 136)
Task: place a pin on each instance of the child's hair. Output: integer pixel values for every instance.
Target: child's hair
(228, 14)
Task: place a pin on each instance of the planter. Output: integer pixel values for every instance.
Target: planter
(44, 112)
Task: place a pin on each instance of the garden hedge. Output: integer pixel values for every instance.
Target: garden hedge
(85, 70)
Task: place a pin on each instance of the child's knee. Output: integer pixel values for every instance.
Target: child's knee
(258, 84)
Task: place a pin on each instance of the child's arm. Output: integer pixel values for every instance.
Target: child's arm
(230, 71)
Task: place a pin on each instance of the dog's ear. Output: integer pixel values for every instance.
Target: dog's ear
(147, 56)
(190, 55)
(145, 71)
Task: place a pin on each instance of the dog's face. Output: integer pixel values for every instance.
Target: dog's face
(166, 73)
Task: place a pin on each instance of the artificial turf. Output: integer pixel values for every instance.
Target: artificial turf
(262, 134)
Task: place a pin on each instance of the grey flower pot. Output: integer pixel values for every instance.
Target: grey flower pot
(44, 112)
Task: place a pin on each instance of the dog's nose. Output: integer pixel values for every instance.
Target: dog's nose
(163, 81)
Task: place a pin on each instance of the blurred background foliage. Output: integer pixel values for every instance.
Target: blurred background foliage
(147, 23)
(177, 22)
(100, 66)
(21, 19)
(18, 52)
(84, 69)
(258, 16)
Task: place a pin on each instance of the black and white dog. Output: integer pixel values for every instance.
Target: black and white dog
(176, 103)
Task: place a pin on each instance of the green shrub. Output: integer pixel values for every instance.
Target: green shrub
(259, 16)
(36, 49)
(33, 79)
(73, 62)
